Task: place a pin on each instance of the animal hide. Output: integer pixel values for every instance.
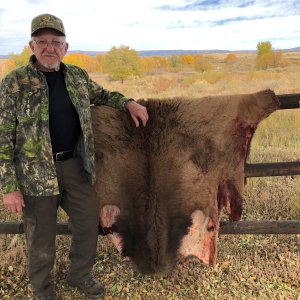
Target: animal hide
(162, 187)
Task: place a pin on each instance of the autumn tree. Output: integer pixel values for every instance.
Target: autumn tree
(22, 58)
(161, 62)
(149, 64)
(277, 59)
(15, 60)
(90, 63)
(154, 64)
(182, 62)
(187, 59)
(100, 60)
(263, 48)
(6, 67)
(267, 57)
(174, 62)
(202, 65)
(122, 62)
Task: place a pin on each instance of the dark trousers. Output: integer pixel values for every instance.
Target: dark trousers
(78, 199)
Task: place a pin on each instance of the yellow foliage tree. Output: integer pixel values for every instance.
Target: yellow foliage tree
(181, 62)
(149, 64)
(267, 57)
(161, 62)
(202, 65)
(122, 62)
(6, 67)
(174, 63)
(154, 64)
(15, 60)
(100, 61)
(187, 59)
(22, 58)
(89, 63)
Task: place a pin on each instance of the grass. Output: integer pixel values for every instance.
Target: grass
(248, 266)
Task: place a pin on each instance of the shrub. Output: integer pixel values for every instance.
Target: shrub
(230, 58)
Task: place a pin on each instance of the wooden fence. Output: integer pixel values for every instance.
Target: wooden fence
(288, 101)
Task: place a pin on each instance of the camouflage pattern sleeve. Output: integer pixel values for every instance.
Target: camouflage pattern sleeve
(100, 96)
(8, 94)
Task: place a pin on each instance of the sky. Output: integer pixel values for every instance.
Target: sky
(98, 25)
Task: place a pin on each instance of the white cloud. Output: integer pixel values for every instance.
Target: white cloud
(99, 25)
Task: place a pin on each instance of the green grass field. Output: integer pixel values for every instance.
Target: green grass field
(248, 266)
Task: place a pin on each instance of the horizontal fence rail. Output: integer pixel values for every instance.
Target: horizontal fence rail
(287, 101)
(240, 227)
(272, 169)
(260, 227)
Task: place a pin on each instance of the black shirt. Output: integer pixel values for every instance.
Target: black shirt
(63, 118)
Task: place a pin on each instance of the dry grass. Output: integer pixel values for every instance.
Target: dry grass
(249, 266)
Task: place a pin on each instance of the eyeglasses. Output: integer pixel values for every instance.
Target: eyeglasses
(44, 44)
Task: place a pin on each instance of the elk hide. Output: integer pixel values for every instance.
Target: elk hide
(162, 187)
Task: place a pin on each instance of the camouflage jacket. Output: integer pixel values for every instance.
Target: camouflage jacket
(26, 161)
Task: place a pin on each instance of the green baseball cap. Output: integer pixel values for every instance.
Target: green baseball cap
(47, 21)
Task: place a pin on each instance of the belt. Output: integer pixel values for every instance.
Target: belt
(63, 155)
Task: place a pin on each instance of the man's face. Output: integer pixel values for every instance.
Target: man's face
(49, 49)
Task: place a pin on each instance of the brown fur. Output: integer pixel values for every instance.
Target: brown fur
(190, 156)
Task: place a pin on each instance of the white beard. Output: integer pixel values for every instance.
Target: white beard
(54, 67)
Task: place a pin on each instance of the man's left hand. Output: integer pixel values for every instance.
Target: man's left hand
(137, 112)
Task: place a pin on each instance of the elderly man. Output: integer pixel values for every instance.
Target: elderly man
(47, 155)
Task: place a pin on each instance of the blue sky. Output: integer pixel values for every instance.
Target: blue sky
(99, 25)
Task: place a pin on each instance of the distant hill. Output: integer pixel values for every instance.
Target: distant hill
(178, 52)
(292, 49)
(171, 52)
(90, 53)
(158, 52)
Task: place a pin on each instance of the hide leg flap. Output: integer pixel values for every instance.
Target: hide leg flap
(108, 217)
(201, 238)
(230, 198)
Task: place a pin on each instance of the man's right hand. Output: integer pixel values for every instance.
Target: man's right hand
(14, 202)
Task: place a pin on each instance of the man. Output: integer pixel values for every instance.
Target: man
(47, 156)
